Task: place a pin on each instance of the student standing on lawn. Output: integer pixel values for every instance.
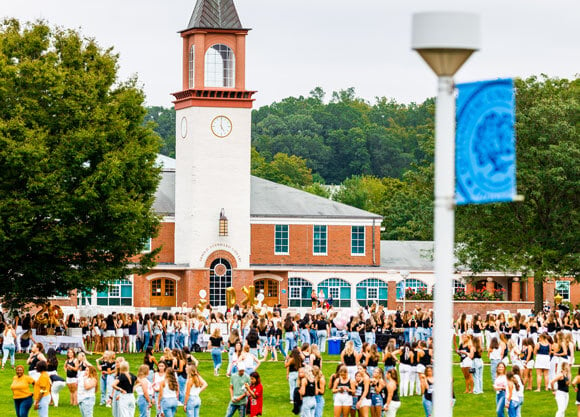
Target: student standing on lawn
(42, 389)
(21, 392)
(123, 389)
(392, 401)
(238, 394)
(560, 385)
(88, 381)
(195, 386)
(500, 386)
(168, 394)
(255, 395)
(144, 390)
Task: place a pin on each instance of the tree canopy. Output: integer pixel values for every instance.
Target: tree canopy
(78, 176)
(539, 236)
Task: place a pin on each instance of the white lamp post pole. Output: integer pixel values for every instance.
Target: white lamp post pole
(445, 41)
(405, 275)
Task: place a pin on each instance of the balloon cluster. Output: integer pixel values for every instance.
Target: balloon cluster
(342, 319)
(250, 300)
(202, 301)
(49, 315)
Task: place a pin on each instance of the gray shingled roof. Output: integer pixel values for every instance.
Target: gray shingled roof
(270, 199)
(214, 14)
(267, 199)
(407, 255)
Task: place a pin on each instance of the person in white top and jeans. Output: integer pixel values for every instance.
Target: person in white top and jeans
(9, 345)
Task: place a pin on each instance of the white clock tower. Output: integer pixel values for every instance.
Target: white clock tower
(213, 139)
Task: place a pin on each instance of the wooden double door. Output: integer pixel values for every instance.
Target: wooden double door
(163, 292)
(271, 289)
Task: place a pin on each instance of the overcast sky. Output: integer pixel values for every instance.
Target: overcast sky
(296, 45)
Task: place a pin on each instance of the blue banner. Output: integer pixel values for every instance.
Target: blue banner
(485, 153)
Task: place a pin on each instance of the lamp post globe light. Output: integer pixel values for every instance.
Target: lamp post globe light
(444, 40)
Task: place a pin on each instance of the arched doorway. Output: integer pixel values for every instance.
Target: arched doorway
(271, 289)
(163, 292)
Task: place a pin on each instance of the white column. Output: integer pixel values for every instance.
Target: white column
(444, 238)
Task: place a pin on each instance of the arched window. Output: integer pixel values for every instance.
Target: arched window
(339, 289)
(299, 291)
(371, 291)
(220, 278)
(192, 66)
(219, 66)
(410, 283)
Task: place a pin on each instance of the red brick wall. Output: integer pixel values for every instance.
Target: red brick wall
(166, 240)
(471, 307)
(301, 241)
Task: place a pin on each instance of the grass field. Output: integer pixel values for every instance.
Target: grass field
(215, 399)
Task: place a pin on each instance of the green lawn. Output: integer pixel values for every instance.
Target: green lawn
(216, 397)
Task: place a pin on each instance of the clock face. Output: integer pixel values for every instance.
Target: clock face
(183, 127)
(221, 126)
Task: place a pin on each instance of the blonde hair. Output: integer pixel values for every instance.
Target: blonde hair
(143, 371)
(216, 332)
(124, 366)
(349, 347)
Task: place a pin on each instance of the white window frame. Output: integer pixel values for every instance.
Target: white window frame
(566, 284)
(370, 291)
(364, 239)
(191, 68)
(325, 253)
(228, 74)
(287, 239)
(334, 292)
(147, 247)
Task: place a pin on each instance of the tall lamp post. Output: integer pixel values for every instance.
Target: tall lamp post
(404, 275)
(445, 40)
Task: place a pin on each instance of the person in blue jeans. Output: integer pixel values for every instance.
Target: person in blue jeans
(427, 382)
(144, 389)
(216, 347)
(21, 392)
(168, 393)
(9, 344)
(500, 386)
(195, 386)
(238, 393)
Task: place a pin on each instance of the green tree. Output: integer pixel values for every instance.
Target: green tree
(164, 125)
(283, 169)
(78, 176)
(540, 235)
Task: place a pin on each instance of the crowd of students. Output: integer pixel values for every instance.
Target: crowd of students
(385, 357)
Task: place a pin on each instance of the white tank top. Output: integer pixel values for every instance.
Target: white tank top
(8, 337)
(167, 392)
(194, 391)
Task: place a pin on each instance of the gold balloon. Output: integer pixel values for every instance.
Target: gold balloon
(250, 296)
(230, 297)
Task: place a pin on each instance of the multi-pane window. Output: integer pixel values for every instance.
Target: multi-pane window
(319, 242)
(299, 292)
(410, 283)
(371, 291)
(281, 240)
(338, 288)
(192, 66)
(220, 278)
(458, 286)
(119, 293)
(563, 288)
(357, 240)
(219, 66)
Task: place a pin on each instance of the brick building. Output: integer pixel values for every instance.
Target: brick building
(224, 228)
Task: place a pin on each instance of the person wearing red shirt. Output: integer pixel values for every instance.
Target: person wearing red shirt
(255, 395)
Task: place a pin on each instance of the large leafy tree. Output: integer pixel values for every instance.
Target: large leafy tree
(164, 125)
(539, 236)
(77, 165)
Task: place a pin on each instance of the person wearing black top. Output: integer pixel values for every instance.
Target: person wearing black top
(215, 345)
(123, 390)
(562, 380)
(304, 326)
(321, 332)
(308, 393)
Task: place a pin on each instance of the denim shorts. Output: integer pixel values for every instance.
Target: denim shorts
(354, 401)
(376, 400)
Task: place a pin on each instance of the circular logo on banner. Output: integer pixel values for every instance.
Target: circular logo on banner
(220, 270)
(485, 149)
